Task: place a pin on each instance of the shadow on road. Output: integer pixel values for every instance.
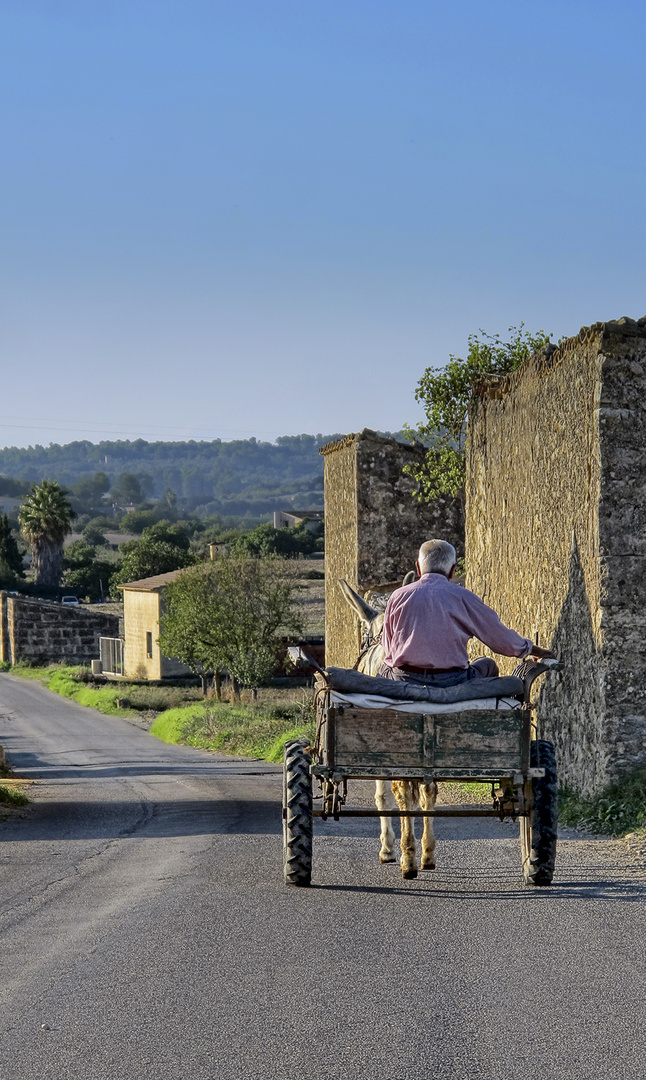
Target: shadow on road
(33, 766)
(71, 820)
(621, 889)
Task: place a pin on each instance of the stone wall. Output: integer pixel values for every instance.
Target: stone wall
(373, 527)
(42, 632)
(555, 536)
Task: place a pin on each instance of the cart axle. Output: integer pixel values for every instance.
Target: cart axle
(442, 811)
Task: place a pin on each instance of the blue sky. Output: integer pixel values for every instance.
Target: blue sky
(263, 217)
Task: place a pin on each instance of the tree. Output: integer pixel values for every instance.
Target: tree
(93, 536)
(127, 489)
(91, 488)
(446, 394)
(146, 558)
(135, 521)
(84, 574)
(169, 532)
(11, 571)
(45, 520)
(266, 540)
(230, 614)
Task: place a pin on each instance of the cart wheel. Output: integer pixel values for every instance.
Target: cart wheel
(538, 831)
(297, 813)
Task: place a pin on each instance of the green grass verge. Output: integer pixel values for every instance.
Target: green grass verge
(113, 699)
(69, 682)
(259, 731)
(12, 796)
(618, 810)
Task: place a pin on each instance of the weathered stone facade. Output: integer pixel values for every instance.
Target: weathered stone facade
(556, 536)
(373, 527)
(143, 604)
(42, 632)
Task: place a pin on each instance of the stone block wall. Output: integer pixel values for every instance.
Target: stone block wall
(556, 537)
(373, 527)
(42, 632)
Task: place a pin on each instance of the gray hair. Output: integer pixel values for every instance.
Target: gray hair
(436, 557)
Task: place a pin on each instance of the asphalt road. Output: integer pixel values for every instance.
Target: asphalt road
(146, 931)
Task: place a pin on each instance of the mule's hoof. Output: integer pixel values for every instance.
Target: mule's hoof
(383, 859)
(410, 873)
(428, 866)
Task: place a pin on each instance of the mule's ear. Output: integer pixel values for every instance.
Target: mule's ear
(361, 606)
(410, 576)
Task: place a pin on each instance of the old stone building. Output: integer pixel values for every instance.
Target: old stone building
(556, 536)
(373, 527)
(143, 604)
(43, 632)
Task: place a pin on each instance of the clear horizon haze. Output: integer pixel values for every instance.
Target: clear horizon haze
(243, 218)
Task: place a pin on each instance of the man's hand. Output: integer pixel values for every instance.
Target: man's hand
(540, 654)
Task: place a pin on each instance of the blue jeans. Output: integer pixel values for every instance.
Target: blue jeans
(482, 668)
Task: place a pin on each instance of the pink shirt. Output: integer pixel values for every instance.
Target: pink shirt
(429, 622)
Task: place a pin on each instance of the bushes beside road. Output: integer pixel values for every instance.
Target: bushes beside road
(182, 716)
(257, 731)
(616, 811)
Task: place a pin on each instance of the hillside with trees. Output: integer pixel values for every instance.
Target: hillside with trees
(244, 477)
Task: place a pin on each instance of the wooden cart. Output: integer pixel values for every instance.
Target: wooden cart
(473, 745)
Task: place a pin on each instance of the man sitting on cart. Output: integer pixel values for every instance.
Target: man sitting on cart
(428, 624)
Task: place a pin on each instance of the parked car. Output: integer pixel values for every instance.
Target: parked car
(69, 601)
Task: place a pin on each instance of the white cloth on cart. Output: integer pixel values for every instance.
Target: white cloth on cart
(370, 701)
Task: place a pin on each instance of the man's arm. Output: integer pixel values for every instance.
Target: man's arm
(542, 654)
(486, 625)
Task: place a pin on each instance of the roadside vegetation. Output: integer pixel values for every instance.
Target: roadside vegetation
(231, 614)
(446, 394)
(617, 811)
(258, 730)
(113, 699)
(12, 788)
(179, 714)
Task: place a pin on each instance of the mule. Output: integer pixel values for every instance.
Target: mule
(403, 794)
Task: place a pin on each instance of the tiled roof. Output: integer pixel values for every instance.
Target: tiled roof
(151, 584)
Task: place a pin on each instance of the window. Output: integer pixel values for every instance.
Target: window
(149, 645)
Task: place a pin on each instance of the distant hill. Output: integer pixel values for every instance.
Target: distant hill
(240, 477)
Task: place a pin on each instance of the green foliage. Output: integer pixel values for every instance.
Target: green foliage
(241, 478)
(258, 731)
(45, 519)
(136, 521)
(93, 536)
(101, 523)
(446, 394)
(46, 514)
(618, 810)
(90, 488)
(266, 540)
(229, 615)
(11, 571)
(146, 558)
(127, 489)
(12, 796)
(13, 488)
(169, 532)
(113, 699)
(84, 574)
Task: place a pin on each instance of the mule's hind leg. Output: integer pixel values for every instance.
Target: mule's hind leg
(384, 801)
(405, 792)
(427, 797)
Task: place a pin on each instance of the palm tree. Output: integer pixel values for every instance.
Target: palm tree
(45, 518)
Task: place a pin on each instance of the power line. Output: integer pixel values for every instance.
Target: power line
(170, 434)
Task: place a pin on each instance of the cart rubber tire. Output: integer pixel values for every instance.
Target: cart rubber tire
(539, 845)
(297, 813)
